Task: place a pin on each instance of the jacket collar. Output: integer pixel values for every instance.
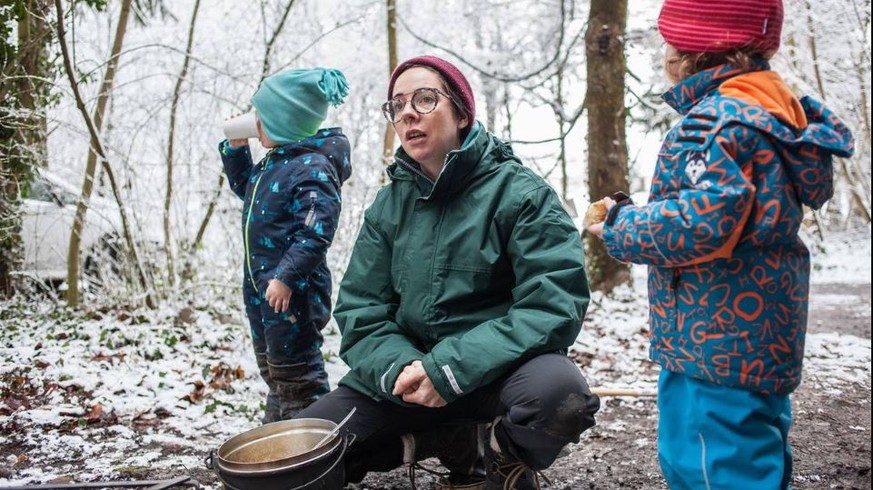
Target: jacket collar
(330, 142)
(461, 165)
(687, 93)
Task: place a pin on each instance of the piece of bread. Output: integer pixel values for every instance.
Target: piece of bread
(596, 213)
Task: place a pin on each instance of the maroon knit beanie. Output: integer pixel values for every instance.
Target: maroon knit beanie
(711, 26)
(456, 81)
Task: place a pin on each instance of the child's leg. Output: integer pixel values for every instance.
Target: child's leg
(712, 437)
(294, 361)
(253, 303)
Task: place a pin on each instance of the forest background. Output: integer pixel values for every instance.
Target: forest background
(125, 99)
(574, 86)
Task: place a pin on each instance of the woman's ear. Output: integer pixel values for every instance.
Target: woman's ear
(463, 121)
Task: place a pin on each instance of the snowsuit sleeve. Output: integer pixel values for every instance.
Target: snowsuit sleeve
(373, 344)
(703, 217)
(315, 202)
(550, 297)
(237, 166)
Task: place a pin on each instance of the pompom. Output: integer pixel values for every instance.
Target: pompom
(334, 85)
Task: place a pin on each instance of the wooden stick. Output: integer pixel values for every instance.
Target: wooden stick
(623, 392)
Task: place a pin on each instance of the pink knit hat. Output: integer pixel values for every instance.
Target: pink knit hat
(456, 81)
(711, 26)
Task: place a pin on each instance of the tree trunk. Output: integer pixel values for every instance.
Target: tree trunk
(97, 147)
(23, 91)
(391, 29)
(171, 139)
(607, 147)
(34, 33)
(562, 143)
(91, 165)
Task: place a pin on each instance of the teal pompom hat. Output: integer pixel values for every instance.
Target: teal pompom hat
(292, 104)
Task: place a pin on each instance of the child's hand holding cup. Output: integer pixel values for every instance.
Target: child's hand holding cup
(239, 128)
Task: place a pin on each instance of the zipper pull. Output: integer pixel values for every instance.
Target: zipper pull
(674, 284)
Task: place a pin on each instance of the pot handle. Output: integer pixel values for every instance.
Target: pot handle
(209, 461)
(347, 441)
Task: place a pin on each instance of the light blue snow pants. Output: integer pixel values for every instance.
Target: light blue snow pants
(714, 437)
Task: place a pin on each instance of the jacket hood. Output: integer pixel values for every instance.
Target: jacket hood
(333, 144)
(479, 151)
(808, 135)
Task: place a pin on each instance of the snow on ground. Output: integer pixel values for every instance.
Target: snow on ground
(80, 382)
(842, 258)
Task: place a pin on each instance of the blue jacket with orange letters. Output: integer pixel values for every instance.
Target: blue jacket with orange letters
(728, 274)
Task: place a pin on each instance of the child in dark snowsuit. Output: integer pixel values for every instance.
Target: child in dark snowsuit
(290, 214)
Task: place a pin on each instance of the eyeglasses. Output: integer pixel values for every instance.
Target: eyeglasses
(423, 100)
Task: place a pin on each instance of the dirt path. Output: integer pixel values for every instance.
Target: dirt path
(840, 308)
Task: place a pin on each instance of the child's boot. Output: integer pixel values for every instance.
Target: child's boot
(296, 387)
(272, 412)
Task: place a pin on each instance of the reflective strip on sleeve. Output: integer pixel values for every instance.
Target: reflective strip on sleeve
(452, 381)
(385, 375)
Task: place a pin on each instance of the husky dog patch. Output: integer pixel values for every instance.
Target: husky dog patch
(695, 167)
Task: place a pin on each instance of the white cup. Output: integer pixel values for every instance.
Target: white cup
(241, 127)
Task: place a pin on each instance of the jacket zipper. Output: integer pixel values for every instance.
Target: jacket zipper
(415, 170)
(246, 238)
(674, 284)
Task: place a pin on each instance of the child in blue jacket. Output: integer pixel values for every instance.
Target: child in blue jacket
(290, 214)
(728, 275)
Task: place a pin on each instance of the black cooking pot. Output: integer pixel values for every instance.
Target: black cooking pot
(279, 456)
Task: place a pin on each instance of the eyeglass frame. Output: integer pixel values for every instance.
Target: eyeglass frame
(411, 102)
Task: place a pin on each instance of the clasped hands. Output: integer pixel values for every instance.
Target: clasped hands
(415, 386)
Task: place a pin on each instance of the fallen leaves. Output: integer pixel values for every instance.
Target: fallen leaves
(221, 378)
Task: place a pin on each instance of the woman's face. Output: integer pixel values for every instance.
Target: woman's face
(427, 138)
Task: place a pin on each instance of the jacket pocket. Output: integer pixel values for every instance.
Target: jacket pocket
(469, 291)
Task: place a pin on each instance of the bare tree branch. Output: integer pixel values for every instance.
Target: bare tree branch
(171, 139)
(268, 51)
(494, 75)
(573, 120)
(98, 147)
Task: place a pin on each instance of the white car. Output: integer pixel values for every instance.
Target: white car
(48, 211)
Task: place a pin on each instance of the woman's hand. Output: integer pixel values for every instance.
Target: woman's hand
(416, 387)
(278, 295)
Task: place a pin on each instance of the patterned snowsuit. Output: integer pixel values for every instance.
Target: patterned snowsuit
(292, 201)
(728, 273)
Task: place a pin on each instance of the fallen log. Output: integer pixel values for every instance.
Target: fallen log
(623, 392)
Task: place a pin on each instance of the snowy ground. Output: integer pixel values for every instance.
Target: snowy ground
(96, 395)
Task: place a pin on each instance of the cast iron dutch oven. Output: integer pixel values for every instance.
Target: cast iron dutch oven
(279, 456)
